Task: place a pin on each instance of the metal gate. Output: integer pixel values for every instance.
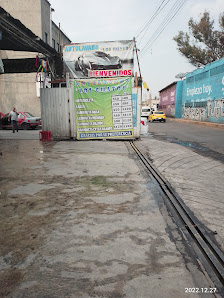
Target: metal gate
(57, 112)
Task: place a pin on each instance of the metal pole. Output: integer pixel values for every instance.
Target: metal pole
(59, 38)
(137, 58)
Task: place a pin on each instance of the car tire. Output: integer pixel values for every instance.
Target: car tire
(25, 126)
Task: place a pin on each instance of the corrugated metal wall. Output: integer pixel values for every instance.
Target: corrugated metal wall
(57, 112)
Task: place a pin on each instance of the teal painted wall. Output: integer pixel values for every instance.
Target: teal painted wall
(202, 94)
(178, 101)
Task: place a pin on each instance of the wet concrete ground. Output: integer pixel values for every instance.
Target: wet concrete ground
(197, 176)
(82, 219)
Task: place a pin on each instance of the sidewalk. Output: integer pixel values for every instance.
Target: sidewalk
(196, 178)
(82, 219)
(211, 124)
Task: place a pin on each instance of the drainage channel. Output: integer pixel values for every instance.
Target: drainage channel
(208, 253)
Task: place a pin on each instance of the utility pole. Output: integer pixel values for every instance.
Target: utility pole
(137, 58)
(59, 38)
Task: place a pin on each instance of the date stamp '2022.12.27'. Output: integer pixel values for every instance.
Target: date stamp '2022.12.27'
(200, 290)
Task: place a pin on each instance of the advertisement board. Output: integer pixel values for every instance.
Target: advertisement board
(104, 108)
(100, 59)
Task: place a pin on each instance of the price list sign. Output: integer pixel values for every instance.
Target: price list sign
(104, 108)
(122, 112)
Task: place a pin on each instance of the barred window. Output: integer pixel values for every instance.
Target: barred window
(200, 104)
(217, 70)
(188, 104)
(201, 76)
(190, 79)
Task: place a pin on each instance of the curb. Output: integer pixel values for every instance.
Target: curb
(218, 125)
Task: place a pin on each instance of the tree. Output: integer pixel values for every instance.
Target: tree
(206, 45)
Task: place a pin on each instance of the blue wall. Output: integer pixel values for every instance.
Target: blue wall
(178, 101)
(202, 94)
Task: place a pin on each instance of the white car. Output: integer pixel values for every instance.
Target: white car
(146, 111)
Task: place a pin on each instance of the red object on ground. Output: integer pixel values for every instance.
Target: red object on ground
(45, 135)
(142, 122)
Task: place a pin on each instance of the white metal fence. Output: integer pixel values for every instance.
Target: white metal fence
(57, 112)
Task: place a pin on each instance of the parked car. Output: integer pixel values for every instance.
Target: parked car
(1, 115)
(97, 60)
(157, 116)
(25, 120)
(146, 111)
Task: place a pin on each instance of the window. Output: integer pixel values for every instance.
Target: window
(101, 54)
(190, 79)
(53, 43)
(217, 70)
(201, 104)
(46, 37)
(28, 115)
(188, 104)
(58, 47)
(201, 76)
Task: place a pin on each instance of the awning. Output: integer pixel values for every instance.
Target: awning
(15, 36)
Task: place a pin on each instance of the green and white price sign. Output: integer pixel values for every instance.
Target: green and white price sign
(103, 108)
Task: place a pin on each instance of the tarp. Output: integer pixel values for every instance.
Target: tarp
(104, 108)
(100, 59)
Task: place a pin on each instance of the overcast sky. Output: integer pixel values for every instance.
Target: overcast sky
(108, 20)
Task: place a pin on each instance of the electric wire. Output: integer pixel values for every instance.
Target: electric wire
(164, 23)
(169, 17)
(157, 12)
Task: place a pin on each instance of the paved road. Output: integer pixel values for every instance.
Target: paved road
(197, 137)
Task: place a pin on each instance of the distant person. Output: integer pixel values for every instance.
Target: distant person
(14, 119)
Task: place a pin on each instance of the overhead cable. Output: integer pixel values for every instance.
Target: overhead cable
(151, 19)
(163, 25)
(169, 17)
(157, 12)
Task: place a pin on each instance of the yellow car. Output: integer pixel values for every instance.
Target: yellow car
(157, 116)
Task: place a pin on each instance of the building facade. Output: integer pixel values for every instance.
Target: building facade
(21, 89)
(202, 94)
(167, 99)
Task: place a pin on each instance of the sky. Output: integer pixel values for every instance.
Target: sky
(109, 20)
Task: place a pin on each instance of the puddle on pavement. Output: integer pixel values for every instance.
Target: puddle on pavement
(193, 145)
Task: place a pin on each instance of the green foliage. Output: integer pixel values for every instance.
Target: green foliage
(203, 44)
